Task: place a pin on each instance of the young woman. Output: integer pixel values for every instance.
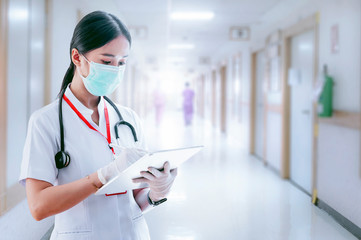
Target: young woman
(71, 148)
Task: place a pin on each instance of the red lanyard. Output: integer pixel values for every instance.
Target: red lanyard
(108, 138)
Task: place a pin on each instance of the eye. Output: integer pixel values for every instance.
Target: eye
(106, 62)
(121, 63)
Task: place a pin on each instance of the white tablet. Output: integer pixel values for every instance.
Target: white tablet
(123, 182)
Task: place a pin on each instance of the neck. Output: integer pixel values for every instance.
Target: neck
(87, 99)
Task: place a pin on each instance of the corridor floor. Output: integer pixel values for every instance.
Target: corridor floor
(224, 193)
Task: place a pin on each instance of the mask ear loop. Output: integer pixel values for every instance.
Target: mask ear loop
(85, 58)
(78, 69)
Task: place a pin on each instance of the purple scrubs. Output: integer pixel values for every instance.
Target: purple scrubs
(159, 101)
(188, 95)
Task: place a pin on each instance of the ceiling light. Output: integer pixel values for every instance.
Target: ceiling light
(181, 46)
(192, 15)
(18, 14)
(176, 59)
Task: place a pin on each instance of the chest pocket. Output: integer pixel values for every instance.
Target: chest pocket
(80, 235)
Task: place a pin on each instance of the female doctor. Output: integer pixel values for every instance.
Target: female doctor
(71, 149)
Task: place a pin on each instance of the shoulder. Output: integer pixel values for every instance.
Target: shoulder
(46, 116)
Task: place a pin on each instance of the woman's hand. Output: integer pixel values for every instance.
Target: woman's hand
(160, 182)
(123, 160)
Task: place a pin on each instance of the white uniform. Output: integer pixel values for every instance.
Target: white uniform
(97, 217)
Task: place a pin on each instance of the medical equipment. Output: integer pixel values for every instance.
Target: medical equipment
(62, 158)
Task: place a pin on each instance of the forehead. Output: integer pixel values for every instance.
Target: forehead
(118, 47)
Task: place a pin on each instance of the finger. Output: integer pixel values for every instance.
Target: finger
(147, 175)
(155, 172)
(140, 180)
(166, 167)
(174, 172)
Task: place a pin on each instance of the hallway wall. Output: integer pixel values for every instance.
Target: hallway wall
(339, 179)
(62, 31)
(338, 157)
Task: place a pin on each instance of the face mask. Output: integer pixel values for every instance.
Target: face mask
(103, 79)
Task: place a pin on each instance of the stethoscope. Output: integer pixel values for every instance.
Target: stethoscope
(62, 158)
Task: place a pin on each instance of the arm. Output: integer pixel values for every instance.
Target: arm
(141, 198)
(45, 200)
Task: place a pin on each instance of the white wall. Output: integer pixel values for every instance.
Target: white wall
(338, 177)
(37, 55)
(246, 97)
(339, 180)
(18, 224)
(25, 76)
(25, 94)
(17, 86)
(274, 140)
(344, 66)
(62, 31)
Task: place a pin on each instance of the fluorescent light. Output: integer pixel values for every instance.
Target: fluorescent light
(18, 14)
(177, 59)
(181, 46)
(192, 15)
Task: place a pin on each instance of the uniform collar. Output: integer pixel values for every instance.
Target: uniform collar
(81, 108)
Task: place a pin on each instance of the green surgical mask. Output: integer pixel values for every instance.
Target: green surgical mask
(102, 79)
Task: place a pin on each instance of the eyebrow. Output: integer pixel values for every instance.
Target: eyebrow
(111, 55)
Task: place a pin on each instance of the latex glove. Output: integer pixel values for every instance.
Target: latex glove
(123, 159)
(160, 182)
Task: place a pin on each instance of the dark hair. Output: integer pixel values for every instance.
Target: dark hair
(94, 31)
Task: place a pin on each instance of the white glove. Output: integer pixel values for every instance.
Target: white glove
(160, 182)
(124, 157)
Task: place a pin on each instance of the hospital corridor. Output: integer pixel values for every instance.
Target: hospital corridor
(180, 120)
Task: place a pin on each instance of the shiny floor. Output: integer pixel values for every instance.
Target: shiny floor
(224, 193)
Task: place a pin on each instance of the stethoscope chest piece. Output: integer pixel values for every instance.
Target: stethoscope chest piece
(62, 159)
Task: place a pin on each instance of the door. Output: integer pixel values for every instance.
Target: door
(214, 94)
(259, 105)
(223, 97)
(300, 79)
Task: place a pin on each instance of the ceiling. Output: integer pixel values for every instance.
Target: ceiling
(209, 37)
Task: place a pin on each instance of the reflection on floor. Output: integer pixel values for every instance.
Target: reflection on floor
(223, 193)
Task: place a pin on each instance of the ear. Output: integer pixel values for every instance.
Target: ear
(75, 57)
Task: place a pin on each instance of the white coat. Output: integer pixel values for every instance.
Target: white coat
(97, 217)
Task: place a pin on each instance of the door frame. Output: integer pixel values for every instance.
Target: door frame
(4, 5)
(254, 106)
(200, 90)
(223, 109)
(310, 23)
(214, 102)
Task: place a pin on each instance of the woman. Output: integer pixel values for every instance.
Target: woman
(188, 95)
(78, 130)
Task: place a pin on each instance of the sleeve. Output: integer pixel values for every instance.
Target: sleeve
(39, 151)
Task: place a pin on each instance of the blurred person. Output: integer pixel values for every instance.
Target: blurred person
(188, 96)
(77, 129)
(159, 103)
